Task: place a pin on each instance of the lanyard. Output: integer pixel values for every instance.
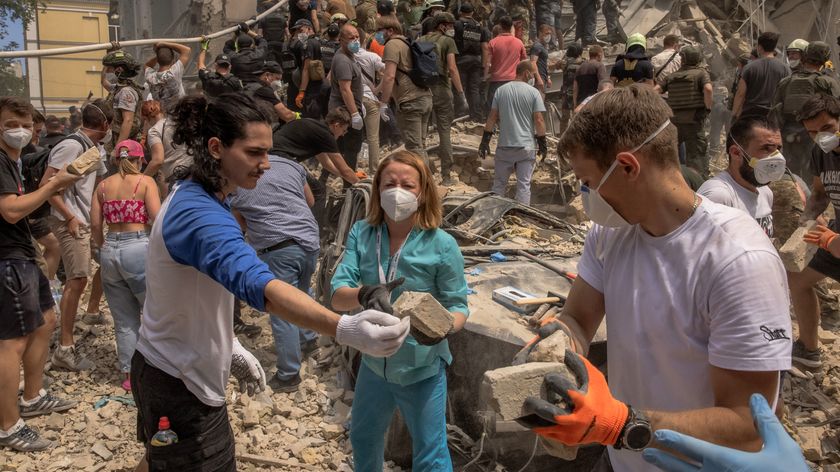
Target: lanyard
(392, 268)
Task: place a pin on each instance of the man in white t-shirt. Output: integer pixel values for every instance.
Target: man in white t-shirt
(165, 82)
(743, 185)
(694, 293)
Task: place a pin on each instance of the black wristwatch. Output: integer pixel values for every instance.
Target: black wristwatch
(637, 433)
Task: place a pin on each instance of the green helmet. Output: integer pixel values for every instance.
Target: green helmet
(817, 52)
(636, 39)
(443, 17)
(797, 45)
(691, 56)
(122, 59)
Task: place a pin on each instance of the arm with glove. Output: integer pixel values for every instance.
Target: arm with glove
(824, 238)
(489, 126)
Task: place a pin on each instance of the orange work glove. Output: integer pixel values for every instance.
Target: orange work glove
(820, 236)
(596, 416)
(361, 174)
(299, 99)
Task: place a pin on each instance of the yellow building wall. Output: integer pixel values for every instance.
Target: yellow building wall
(67, 79)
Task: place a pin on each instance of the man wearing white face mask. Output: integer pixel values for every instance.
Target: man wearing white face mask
(820, 116)
(693, 330)
(754, 161)
(70, 222)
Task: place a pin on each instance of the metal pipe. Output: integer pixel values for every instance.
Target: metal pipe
(135, 42)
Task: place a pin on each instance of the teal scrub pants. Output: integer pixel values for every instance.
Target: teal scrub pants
(422, 405)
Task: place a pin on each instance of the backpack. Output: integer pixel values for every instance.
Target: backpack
(424, 59)
(328, 50)
(470, 38)
(288, 61)
(34, 165)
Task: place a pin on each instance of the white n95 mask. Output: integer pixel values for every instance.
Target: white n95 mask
(398, 203)
(827, 141)
(769, 169)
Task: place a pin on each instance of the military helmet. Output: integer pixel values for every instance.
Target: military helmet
(636, 39)
(817, 52)
(691, 56)
(432, 4)
(443, 17)
(797, 45)
(120, 58)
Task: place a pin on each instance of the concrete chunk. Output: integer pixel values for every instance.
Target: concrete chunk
(427, 315)
(504, 390)
(550, 349)
(796, 253)
(88, 162)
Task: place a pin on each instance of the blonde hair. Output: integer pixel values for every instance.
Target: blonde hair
(128, 166)
(429, 208)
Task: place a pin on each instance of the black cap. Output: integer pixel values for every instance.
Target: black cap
(244, 41)
(333, 30)
(223, 59)
(385, 7)
(301, 23)
(272, 66)
(466, 8)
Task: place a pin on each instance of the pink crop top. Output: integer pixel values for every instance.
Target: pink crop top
(124, 211)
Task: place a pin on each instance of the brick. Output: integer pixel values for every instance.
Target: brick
(427, 315)
(796, 253)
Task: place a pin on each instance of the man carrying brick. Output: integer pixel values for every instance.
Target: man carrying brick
(694, 292)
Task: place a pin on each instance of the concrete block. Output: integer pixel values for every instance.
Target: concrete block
(504, 390)
(427, 315)
(550, 349)
(796, 253)
(810, 439)
(88, 162)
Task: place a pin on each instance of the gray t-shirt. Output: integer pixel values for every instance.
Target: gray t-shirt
(167, 87)
(345, 67)
(173, 155)
(762, 77)
(79, 196)
(517, 102)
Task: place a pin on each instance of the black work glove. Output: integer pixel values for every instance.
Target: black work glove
(243, 27)
(543, 147)
(484, 147)
(378, 297)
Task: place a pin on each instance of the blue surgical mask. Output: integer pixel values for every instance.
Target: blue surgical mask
(354, 46)
(379, 37)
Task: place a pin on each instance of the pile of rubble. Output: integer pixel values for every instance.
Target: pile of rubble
(305, 430)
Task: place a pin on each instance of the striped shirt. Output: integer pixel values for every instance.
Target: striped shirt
(276, 210)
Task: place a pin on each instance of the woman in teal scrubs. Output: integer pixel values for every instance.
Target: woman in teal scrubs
(401, 239)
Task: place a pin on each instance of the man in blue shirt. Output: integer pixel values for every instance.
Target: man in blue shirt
(517, 107)
(279, 225)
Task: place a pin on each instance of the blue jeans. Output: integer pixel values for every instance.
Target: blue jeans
(295, 266)
(423, 406)
(123, 268)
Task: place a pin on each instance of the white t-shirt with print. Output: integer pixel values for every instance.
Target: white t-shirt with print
(167, 86)
(711, 292)
(723, 189)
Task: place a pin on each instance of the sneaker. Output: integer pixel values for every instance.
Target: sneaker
(24, 439)
(284, 386)
(45, 405)
(241, 327)
(126, 385)
(93, 318)
(65, 357)
(806, 358)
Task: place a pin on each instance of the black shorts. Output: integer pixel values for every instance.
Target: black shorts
(24, 297)
(39, 227)
(205, 438)
(826, 264)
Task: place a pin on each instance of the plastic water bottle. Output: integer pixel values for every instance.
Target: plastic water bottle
(164, 436)
(55, 288)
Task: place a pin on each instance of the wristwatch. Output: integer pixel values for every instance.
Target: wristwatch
(637, 433)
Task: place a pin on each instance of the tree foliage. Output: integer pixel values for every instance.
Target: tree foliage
(18, 11)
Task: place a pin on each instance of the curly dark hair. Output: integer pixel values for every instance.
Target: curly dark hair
(198, 119)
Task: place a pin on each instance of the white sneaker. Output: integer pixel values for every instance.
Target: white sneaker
(65, 357)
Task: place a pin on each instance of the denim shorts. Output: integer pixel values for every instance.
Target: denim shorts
(24, 297)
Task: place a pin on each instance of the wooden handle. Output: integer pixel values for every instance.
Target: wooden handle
(536, 301)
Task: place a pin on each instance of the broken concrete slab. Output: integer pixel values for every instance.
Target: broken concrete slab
(550, 349)
(427, 315)
(796, 253)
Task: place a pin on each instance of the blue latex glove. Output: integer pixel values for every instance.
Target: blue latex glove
(780, 452)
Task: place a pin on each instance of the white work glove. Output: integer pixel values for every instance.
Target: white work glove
(356, 121)
(373, 332)
(383, 113)
(247, 370)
